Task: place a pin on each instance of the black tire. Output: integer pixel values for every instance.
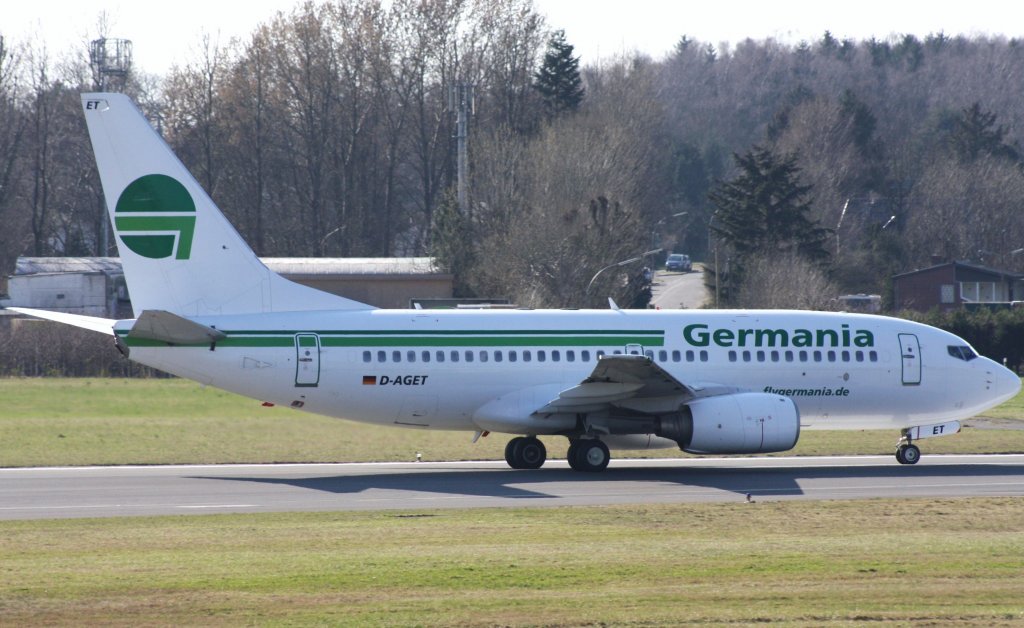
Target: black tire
(899, 455)
(530, 453)
(590, 456)
(511, 455)
(572, 456)
(911, 454)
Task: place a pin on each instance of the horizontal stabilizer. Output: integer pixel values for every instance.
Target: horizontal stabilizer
(92, 323)
(173, 329)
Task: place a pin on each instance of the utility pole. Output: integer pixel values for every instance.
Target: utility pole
(462, 102)
(111, 60)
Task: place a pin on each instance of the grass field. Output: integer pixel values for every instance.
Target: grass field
(152, 421)
(803, 563)
(912, 562)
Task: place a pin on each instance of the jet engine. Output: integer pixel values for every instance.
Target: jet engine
(743, 423)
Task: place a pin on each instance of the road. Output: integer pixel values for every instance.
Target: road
(164, 490)
(671, 290)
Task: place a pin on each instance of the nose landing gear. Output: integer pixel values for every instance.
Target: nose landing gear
(907, 452)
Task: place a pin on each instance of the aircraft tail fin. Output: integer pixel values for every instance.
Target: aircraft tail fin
(179, 252)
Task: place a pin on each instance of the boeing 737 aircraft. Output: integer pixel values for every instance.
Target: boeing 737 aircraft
(707, 382)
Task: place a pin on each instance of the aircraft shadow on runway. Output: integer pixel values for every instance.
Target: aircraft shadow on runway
(549, 483)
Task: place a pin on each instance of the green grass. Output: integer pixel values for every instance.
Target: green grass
(921, 562)
(149, 421)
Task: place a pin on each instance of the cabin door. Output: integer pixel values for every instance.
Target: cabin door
(307, 364)
(910, 350)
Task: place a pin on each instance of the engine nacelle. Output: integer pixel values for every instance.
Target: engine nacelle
(743, 423)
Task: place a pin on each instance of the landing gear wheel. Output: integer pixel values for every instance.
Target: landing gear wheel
(525, 452)
(588, 455)
(908, 454)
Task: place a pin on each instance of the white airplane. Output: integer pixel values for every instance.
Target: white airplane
(707, 382)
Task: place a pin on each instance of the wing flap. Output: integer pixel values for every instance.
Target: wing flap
(617, 379)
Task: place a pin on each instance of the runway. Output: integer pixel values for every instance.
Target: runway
(49, 493)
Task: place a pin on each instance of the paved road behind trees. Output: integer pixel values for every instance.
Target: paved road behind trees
(677, 291)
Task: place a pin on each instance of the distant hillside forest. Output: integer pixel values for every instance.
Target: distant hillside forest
(331, 131)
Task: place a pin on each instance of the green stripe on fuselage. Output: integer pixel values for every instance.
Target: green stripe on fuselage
(523, 338)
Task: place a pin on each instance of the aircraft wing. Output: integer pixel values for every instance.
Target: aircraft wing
(619, 380)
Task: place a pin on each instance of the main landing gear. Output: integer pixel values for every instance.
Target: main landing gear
(525, 452)
(585, 454)
(588, 454)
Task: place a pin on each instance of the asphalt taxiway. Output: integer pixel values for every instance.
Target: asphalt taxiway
(45, 493)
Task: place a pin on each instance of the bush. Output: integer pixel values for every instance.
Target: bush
(32, 348)
(996, 334)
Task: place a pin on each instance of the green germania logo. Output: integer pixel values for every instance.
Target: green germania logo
(156, 217)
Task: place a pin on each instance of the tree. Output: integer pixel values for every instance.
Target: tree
(558, 79)
(765, 208)
(975, 133)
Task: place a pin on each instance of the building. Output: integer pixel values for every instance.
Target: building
(956, 285)
(92, 286)
(95, 286)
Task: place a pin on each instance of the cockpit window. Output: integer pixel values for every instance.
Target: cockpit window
(961, 352)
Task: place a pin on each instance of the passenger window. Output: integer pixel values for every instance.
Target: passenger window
(527, 356)
(600, 353)
(396, 356)
(663, 356)
(873, 356)
(690, 355)
(803, 356)
(382, 356)
(585, 355)
(746, 356)
(469, 356)
(817, 356)
(831, 356)
(497, 356)
(859, 355)
(846, 356)
(677, 356)
(760, 356)
(425, 356)
(789, 356)
(649, 354)
(570, 356)
(410, 356)
(367, 356)
(440, 356)
(556, 356)
(455, 356)
(703, 356)
(732, 356)
(483, 356)
(512, 356)
(542, 356)
(775, 356)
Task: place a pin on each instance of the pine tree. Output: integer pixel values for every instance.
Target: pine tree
(558, 79)
(975, 133)
(765, 209)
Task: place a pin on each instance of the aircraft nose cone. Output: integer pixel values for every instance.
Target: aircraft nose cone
(1005, 382)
